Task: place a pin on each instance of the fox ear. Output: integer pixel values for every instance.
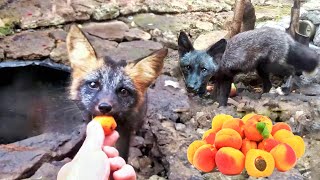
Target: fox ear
(80, 52)
(217, 48)
(184, 44)
(144, 72)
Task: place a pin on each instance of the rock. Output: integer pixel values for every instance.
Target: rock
(313, 16)
(316, 39)
(311, 5)
(156, 177)
(207, 26)
(180, 127)
(136, 34)
(292, 174)
(49, 171)
(60, 54)
(137, 141)
(101, 46)
(132, 7)
(1, 54)
(166, 23)
(113, 31)
(20, 162)
(58, 35)
(106, 11)
(207, 39)
(179, 6)
(57, 144)
(133, 50)
(28, 45)
(158, 105)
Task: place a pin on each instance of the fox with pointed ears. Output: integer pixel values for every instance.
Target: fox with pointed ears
(266, 50)
(102, 86)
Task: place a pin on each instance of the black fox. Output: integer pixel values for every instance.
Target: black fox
(101, 86)
(266, 50)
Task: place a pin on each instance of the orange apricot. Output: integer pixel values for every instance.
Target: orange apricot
(247, 145)
(228, 138)
(193, 148)
(297, 144)
(209, 136)
(204, 158)
(268, 144)
(236, 124)
(247, 116)
(284, 156)
(218, 121)
(107, 122)
(257, 127)
(280, 125)
(282, 134)
(230, 161)
(259, 163)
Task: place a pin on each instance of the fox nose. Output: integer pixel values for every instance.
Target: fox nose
(190, 88)
(104, 108)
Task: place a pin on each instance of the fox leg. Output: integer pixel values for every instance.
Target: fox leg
(264, 75)
(287, 87)
(223, 90)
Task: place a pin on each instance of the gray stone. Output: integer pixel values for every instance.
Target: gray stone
(136, 34)
(1, 54)
(28, 45)
(114, 30)
(132, 6)
(313, 16)
(207, 26)
(49, 171)
(137, 141)
(316, 39)
(18, 162)
(133, 50)
(101, 46)
(207, 39)
(292, 174)
(58, 35)
(106, 11)
(60, 54)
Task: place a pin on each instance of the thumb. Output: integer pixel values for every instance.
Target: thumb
(94, 139)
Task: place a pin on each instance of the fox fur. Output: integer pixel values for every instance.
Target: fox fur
(266, 50)
(101, 86)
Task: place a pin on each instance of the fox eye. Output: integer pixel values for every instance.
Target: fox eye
(203, 69)
(187, 67)
(123, 92)
(94, 85)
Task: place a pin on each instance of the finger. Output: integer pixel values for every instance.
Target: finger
(110, 151)
(92, 166)
(125, 173)
(116, 163)
(111, 139)
(94, 139)
(63, 173)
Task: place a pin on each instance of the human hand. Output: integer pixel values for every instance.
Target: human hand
(97, 159)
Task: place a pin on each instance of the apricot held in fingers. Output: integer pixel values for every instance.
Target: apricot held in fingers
(107, 122)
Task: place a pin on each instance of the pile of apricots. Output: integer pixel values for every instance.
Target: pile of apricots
(252, 143)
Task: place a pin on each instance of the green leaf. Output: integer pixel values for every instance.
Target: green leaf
(265, 133)
(260, 126)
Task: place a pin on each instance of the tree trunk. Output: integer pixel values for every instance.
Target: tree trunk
(249, 17)
(237, 18)
(295, 14)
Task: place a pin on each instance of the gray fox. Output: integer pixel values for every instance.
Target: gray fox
(266, 50)
(101, 86)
